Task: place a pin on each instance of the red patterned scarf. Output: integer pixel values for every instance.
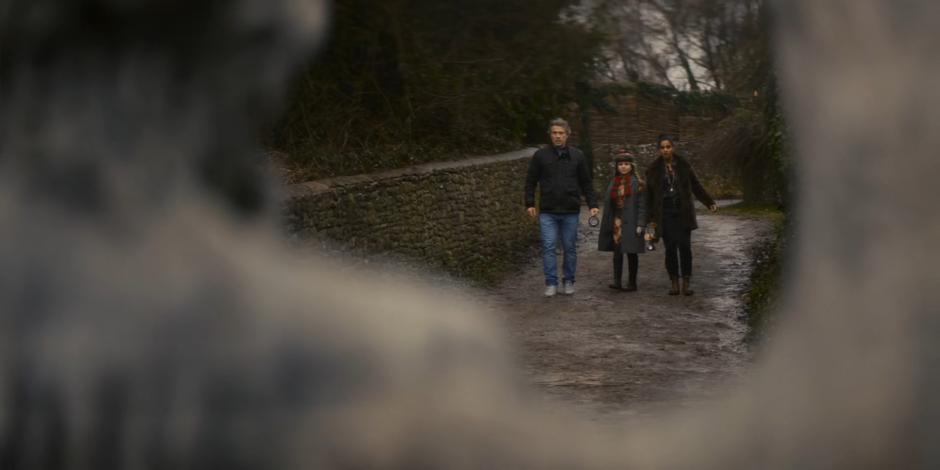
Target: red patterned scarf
(616, 193)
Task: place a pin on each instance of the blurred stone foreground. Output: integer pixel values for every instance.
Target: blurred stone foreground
(151, 318)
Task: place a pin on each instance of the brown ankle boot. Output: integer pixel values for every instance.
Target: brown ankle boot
(685, 286)
(674, 290)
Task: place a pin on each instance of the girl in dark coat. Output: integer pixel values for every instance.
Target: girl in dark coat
(671, 184)
(624, 219)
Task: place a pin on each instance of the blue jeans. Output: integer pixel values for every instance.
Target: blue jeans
(552, 226)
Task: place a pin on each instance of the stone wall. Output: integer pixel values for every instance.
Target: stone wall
(466, 217)
(637, 121)
(717, 183)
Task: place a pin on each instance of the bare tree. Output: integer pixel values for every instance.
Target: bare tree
(694, 44)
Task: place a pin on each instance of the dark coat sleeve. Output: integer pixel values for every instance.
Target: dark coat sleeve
(531, 180)
(587, 183)
(641, 209)
(650, 195)
(698, 190)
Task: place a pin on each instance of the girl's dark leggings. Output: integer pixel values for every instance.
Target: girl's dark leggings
(633, 262)
(678, 243)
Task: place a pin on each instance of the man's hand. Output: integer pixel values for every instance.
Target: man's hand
(531, 211)
(713, 208)
(639, 231)
(594, 211)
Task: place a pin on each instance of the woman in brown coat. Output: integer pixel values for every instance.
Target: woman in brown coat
(671, 183)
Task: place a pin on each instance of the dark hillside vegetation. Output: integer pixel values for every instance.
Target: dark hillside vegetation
(400, 83)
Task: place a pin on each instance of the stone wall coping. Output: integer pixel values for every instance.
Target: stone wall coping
(310, 188)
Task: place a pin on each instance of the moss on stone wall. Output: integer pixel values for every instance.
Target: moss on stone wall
(466, 218)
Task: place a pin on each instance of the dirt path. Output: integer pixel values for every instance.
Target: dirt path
(617, 354)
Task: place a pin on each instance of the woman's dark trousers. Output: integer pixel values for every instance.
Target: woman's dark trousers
(633, 262)
(678, 242)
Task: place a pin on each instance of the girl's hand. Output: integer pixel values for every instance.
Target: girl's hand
(639, 231)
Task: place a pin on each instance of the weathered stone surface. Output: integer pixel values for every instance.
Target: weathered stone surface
(464, 216)
(636, 124)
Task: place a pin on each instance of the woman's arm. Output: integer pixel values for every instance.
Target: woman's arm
(699, 191)
(651, 195)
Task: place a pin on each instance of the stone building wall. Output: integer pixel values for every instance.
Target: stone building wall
(639, 119)
(465, 217)
(636, 123)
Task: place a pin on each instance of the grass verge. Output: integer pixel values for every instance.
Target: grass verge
(767, 258)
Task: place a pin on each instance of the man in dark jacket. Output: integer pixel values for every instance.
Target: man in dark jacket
(562, 175)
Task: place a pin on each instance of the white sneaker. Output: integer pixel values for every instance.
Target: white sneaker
(567, 288)
(550, 291)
